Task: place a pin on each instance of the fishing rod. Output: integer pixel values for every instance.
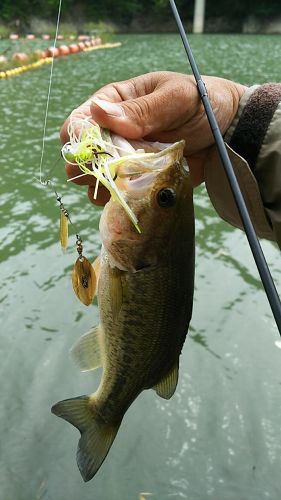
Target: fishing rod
(256, 249)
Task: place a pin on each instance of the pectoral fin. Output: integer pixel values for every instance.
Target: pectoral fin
(116, 292)
(168, 384)
(86, 352)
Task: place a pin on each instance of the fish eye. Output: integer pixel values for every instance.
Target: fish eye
(166, 197)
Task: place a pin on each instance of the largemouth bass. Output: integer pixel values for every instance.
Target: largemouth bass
(145, 296)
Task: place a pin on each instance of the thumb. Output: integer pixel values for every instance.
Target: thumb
(136, 118)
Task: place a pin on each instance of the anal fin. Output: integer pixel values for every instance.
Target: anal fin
(168, 384)
(86, 351)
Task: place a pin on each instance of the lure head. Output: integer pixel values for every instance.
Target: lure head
(85, 142)
(67, 153)
(161, 199)
(77, 153)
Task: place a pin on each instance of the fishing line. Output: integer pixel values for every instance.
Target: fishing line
(47, 179)
(256, 249)
(48, 97)
(83, 276)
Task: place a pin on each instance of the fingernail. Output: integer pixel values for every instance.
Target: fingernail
(110, 108)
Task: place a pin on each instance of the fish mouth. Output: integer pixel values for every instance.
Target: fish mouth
(137, 176)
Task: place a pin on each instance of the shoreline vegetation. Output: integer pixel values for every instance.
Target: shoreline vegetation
(132, 16)
(71, 30)
(40, 28)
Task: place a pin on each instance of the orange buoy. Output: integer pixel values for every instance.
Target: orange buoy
(64, 50)
(20, 57)
(73, 48)
(14, 36)
(52, 52)
(39, 54)
(46, 37)
(81, 45)
(30, 36)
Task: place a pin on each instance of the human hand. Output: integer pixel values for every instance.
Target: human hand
(160, 106)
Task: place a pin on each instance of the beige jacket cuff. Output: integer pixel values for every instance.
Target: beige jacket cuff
(257, 186)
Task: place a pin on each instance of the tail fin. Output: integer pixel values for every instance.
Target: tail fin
(96, 436)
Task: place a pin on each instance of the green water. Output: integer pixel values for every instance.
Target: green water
(220, 435)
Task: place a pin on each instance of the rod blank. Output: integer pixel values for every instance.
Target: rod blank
(256, 249)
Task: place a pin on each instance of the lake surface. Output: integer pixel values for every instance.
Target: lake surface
(219, 437)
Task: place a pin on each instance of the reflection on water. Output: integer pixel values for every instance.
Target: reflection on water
(201, 339)
(219, 436)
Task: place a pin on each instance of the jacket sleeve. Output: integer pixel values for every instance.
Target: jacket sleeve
(254, 146)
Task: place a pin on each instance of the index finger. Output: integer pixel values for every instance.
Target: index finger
(115, 92)
(108, 93)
